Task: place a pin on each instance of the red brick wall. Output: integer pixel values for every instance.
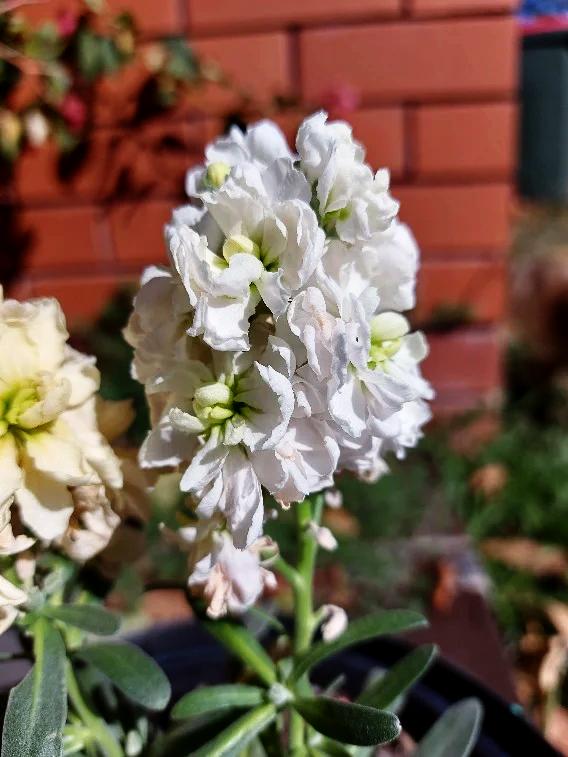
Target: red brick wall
(436, 83)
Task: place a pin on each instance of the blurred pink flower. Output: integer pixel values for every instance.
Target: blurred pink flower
(74, 111)
(67, 23)
(340, 100)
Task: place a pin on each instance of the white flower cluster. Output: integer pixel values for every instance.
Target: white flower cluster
(273, 349)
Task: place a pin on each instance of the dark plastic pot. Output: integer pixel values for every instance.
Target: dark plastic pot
(190, 657)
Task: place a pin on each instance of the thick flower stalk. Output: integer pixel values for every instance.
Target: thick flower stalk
(273, 348)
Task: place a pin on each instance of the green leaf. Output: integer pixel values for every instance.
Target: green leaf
(132, 671)
(89, 54)
(37, 707)
(240, 734)
(347, 722)
(455, 733)
(91, 618)
(240, 642)
(384, 622)
(383, 693)
(217, 698)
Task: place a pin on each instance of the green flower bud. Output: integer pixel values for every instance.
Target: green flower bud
(213, 394)
(239, 243)
(217, 173)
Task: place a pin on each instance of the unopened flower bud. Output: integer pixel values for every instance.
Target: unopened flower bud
(333, 498)
(335, 622)
(217, 173)
(213, 394)
(325, 539)
(238, 243)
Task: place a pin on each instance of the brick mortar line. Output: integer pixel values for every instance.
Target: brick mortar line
(218, 32)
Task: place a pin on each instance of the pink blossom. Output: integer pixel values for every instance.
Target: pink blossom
(66, 23)
(74, 111)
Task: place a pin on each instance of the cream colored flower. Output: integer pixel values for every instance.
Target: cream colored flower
(49, 441)
(11, 597)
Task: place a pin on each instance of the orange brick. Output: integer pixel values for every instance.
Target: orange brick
(138, 231)
(246, 15)
(82, 297)
(468, 360)
(116, 97)
(457, 218)
(464, 140)
(479, 286)
(380, 130)
(459, 7)
(152, 18)
(63, 238)
(257, 65)
(38, 13)
(37, 174)
(422, 61)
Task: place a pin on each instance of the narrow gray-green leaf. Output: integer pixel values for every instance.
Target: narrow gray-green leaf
(363, 629)
(240, 734)
(242, 644)
(131, 670)
(383, 693)
(90, 618)
(217, 698)
(37, 707)
(455, 733)
(347, 722)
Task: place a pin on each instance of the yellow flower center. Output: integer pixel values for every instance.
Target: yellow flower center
(15, 402)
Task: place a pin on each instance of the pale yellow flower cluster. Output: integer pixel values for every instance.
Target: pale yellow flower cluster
(57, 471)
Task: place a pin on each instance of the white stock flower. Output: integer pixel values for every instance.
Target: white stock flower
(220, 424)
(259, 250)
(273, 350)
(49, 442)
(230, 579)
(303, 461)
(351, 201)
(262, 144)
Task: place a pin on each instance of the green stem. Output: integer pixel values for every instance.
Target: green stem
(97, 727)
(307, 512)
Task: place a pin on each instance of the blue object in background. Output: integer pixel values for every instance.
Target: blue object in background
(531, 8)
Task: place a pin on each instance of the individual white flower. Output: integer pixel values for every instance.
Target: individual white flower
(351, 202)
(219, 425)
(335, 622)
(260, 145)
(230, 579)
(388, 262)
(362, 456)
(49, 442)
(383, 372)
(157, 325)
(92, 524)
(267, 251)
(11, 597)
(318, 331)
(303, 461)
